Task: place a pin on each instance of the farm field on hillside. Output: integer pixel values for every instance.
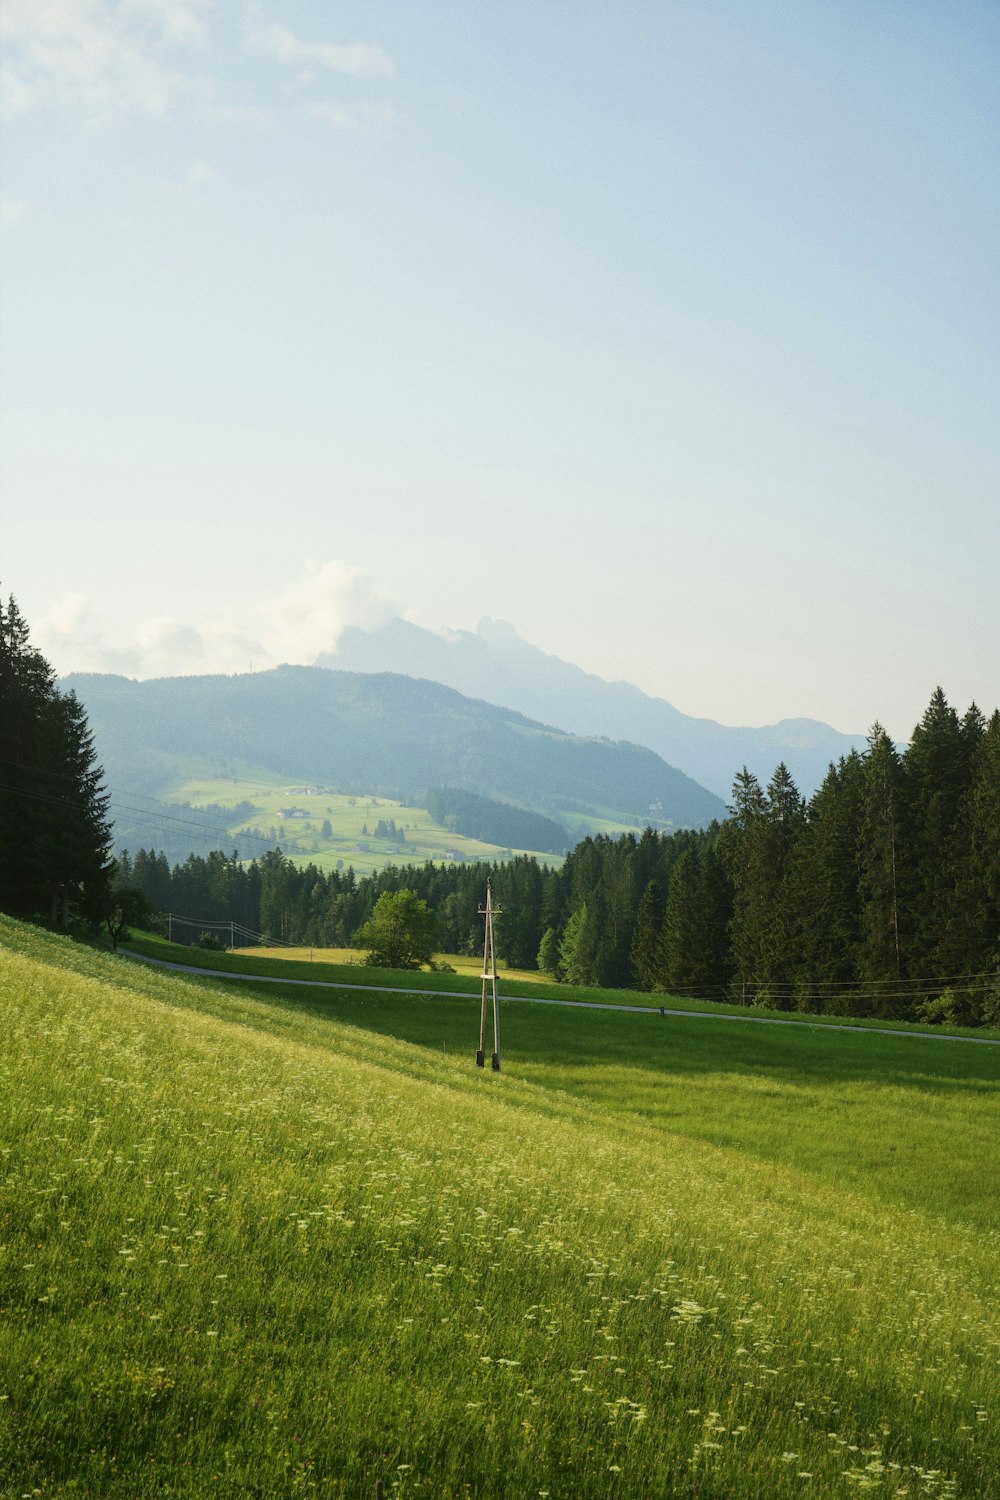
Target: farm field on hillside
(353, 823)
(259, 1246)
(461, 963)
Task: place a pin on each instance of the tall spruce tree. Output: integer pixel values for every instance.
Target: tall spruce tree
(937, 767)
(55, 835)
(784, 829)
(969, 942)
(824, 876)
(883, 869)
(743, 851)
(646, 935)
(693, 947)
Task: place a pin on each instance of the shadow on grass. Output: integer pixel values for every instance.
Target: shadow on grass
(670, 1045)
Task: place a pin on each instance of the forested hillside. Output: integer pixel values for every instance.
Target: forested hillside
(494, 822)
(383, 735)
(879, 894)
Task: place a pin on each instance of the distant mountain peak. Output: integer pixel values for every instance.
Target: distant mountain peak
(496, 664)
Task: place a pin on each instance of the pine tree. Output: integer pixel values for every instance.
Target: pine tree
(882, 869)
(646, 936)
(578, 950)
(746, 851)
(937, 768)
(970, 937)
(785, 825)
(55, 834)
(678, 960)
(824, 876)
(693, 948)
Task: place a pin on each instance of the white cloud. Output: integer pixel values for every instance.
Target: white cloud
(178, 22)
(313, 614)
(113, 57)
(99, 55)
(295, 626)
(358, 58)
(76, 639)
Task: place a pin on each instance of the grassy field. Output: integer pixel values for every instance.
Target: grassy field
(302, 838)
(254, 1245)
(346, 966)
(459, 963)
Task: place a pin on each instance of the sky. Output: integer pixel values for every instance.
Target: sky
(666, 331)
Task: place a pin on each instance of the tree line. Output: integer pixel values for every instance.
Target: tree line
(879, 896)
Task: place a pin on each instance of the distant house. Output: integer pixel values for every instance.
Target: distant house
(362, 844)
(453, 854)
(292, 812)
(391, 849)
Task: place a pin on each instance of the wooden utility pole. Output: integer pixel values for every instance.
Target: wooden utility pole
(489, 977)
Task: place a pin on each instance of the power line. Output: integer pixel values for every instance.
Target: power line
(152, 815)
(208, 924)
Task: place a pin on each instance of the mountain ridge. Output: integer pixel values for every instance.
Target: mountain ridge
(496, 665)
(384, 733)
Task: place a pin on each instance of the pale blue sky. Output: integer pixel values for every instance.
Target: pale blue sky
(667, 332)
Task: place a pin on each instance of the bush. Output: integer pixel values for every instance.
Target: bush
(401, 932)
(953, 1008)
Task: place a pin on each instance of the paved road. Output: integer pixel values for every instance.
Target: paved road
(643, 1010)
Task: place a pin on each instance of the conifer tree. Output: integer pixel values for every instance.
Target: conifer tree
(55, 834)
(693, 948)
(646, 936)
(882, 868)
(578, 950)
(937, 768)
(764, 830)
(824, 878)
(969, 942)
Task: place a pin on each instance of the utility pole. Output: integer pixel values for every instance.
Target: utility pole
(489, 977)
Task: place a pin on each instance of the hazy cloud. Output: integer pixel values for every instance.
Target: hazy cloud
(313, 614)
(76, 639)
(179, 22)
(295, 626)
(355, 117)
(97, 54)
(358, 58)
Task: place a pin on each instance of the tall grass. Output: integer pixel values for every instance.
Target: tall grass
(255, 1247)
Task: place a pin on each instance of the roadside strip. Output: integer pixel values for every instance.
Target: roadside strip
(641, 1010)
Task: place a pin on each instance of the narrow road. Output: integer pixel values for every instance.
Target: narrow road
(642, 1010)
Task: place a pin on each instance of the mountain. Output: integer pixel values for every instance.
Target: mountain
(495, 664)
(385, 734)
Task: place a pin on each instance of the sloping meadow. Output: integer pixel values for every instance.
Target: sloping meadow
(249, 1250)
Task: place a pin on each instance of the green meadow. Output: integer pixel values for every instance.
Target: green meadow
(302, 837)
(262, 1241)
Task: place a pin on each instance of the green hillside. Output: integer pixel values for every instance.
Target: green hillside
(316, 825)
(255, 1246)
(382, 735)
